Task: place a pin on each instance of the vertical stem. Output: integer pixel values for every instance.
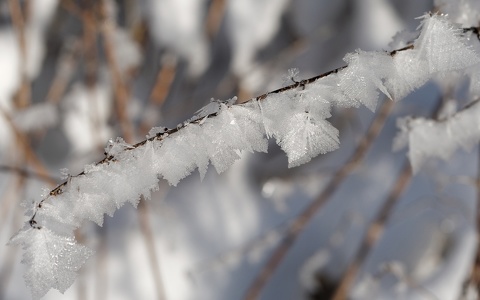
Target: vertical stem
(120, 89)
(18, 20)
(302, 220)
(214, 18)
(121, 95)
(7, 265)
(377, 227)
(374, 232)
(476, 267)
(475, 272)
(150, 244)
(101, 287)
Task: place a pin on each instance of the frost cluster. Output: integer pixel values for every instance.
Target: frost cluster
(430, 138)
(296, 117)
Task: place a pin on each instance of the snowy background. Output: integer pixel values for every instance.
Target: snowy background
(61, 101)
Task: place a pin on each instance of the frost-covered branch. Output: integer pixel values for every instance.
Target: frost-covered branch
(439, 138)
(295, 116)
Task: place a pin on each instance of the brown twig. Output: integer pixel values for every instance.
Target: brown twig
(161, 89)
(89, 42)
(121, 95)
(9, 198)
(101, 266)
(81, 289)
(377, 227)
(28, 152)
(66, 66)
(164, 81)
(6, 269)
(28, 174)
(373, 233)
(18, 20)
(121, 91)
(214, 18)
(310, 211)
(474, 278)
(72, 8)
(150, 245)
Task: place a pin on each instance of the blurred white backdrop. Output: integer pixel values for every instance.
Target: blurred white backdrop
(68, 84)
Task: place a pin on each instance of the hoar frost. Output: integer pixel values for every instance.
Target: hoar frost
(431, 138)
(296, 117)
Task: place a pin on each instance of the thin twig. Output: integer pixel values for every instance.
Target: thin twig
(474, 278)
(89, 42)
(66, 66)
(18, 20)
(150, 244)
(28, 174)
(373, 233)
(81, 289)
(377, 227)
(28, 152)
(121, 92)
(101, 266)
(214, 18)
(9, 260)
(19, 190)
(310, 211)
(121, 95)
(72, 8)
(164, 81)
(161, 89)
(9, 198)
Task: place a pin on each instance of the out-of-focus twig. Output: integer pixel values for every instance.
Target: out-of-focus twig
(121, 92)
(72, 8)
(150, 244)
(8, 198)
(28, 152)
(28, 174)
(160, 91)
(377, 227)
(214, 18)
(66, 65)
(164, 81)
(121, 95)
(18, 21)
(8, 261)
(374, 231)
(101, 266)
(89, 41)
(310, 211)
(474, 278)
